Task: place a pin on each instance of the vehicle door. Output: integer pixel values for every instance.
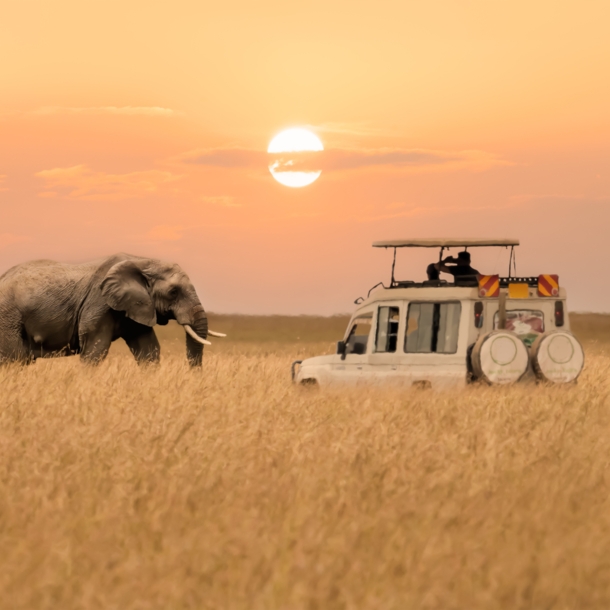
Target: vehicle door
(352, 366)
(384, 359)
(434, 345)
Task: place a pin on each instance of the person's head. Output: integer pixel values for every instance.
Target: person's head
(463, 258)
(432, 271)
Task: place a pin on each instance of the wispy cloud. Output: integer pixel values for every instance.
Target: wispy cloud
(387, 158)
(346, 159)
(227, 157)
(156, 111)
(80, 182)
(9, 239)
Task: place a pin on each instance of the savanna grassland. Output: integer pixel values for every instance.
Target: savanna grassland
(165, 488)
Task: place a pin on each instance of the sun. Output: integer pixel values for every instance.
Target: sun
(292, 140)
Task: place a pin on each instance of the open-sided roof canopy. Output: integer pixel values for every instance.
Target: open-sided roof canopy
(431, 242)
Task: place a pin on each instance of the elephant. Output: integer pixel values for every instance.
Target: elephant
(55, 309)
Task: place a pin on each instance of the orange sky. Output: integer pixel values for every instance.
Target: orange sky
(142, 127)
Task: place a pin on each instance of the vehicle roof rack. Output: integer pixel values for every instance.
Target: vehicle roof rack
(447, 242)
(443, 242)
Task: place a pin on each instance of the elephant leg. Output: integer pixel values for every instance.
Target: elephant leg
(14, 346)
(142, 341)
(95, 341)
(14, 349)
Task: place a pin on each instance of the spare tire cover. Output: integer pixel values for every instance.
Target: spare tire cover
(500, 357)
(557, 356)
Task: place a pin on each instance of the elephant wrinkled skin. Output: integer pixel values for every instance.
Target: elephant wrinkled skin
(54, 309)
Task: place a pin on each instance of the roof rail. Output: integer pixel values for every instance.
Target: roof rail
(443, 242)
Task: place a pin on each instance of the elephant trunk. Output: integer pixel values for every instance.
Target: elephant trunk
(199, 327)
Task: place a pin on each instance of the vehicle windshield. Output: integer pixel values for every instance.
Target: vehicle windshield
(359, 334)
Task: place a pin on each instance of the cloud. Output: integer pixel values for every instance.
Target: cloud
(223, 200)
(386, 158)
(125, 110)
(165, 233)
(227, 157)
(8, 239)
(81, 183)
(346, 159)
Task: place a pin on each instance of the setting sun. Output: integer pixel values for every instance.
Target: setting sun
(292, 140)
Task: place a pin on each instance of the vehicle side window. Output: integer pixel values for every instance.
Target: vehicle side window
(432, 328)
(527, 323)
(359, 335)
(387, 329)
(448, 327)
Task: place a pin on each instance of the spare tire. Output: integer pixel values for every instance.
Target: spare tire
(499, 357)
(557, 356)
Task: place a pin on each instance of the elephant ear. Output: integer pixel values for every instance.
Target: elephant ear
(125, 289)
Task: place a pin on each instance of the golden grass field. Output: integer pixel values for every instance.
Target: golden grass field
(227, 488)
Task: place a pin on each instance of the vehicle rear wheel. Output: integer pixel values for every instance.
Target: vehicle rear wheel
(557, 356)
(499, 357)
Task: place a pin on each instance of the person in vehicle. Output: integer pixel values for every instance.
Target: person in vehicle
(461, 268)
(432, 272)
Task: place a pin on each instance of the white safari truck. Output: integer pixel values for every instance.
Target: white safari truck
(441, 334)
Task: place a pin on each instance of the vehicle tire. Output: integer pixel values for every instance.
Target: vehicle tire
(499, 357)
(557, 356)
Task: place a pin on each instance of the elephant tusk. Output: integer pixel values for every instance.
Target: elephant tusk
(213, 334)
(195, 336)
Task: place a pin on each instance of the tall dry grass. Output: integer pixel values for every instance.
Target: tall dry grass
(160, 487)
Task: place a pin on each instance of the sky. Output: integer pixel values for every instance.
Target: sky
(142, 127)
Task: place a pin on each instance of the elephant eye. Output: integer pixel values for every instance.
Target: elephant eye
(173, 291)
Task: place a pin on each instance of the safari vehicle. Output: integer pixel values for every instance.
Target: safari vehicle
(441, 334)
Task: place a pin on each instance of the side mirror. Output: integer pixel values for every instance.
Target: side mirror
(341, 348)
